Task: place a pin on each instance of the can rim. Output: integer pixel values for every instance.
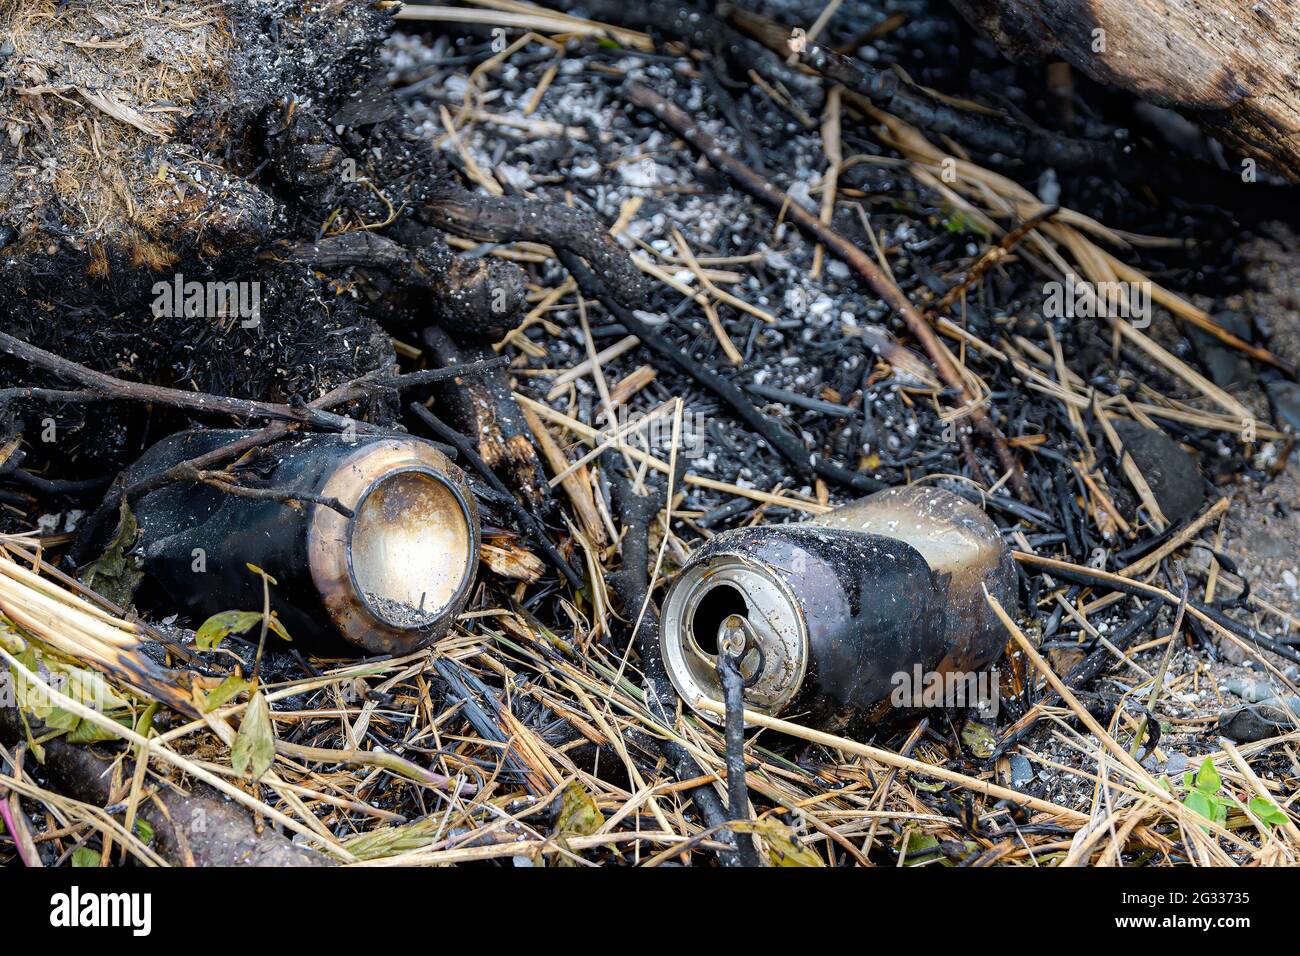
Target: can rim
(329, 544)
(773, 609)
(467, 576)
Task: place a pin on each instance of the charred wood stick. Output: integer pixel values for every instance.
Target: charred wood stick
(488, 726)
(485, 408)
(993, 255)
(1083, 575)
(696, 25)
(353, 250)
(733, 686)
(563, 228)
(983, 133)
(48, 486)
(225, 481)
(110, 388)
(480, 296)
(665, 352)
(682, 124)
(529, 522)
(363, 386)
(631, 585)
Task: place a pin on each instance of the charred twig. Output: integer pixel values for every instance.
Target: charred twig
(993, 255)
(354, 250)
(456, 678)
(527, 520)
(514, 218)
(480, 296)
(109, 387)
(983, 132)
(697, 25)
(485, 407)
(733, 686)
(636, 512)
(47, 486)
(103, 386)
(363, 386)
(226, 482)
(781, 440)
(761, 189)
(1084, 575)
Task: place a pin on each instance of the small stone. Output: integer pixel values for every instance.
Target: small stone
(1170, 471)
(1286, 399)
(1176, 764)
(1021, 771)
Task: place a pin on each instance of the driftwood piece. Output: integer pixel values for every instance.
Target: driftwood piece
(1229, 65)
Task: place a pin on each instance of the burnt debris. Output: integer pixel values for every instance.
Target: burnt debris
(669, 433)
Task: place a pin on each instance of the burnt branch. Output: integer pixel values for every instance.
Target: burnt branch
(630, 583)
(563, 228)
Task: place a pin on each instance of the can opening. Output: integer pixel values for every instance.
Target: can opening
(704, 596)
(410, 548)
(715, 606)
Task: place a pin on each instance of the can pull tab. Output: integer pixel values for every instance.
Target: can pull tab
(738, 640)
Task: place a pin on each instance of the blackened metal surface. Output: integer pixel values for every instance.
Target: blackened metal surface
(844, 604)
(199, 540)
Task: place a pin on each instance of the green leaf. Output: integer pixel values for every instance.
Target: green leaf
(220, 626)
(28, 696)
(118, 572)
(87, 733)
(224, 692)
(60, 719)
(85, 856)
(143, 831)
(578, 815)
(578, 811)
(784, 850)
(979, 739)
(783, 847)
(921, 848)
(1267, 812)
(276, 627)
(1207, 778)
(1201, 803)
(254, 747)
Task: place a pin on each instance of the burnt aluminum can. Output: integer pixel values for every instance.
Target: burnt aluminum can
(838, 607)
(388, 580)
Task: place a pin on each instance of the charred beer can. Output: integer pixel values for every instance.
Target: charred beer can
(835, 608)
(389, 578)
